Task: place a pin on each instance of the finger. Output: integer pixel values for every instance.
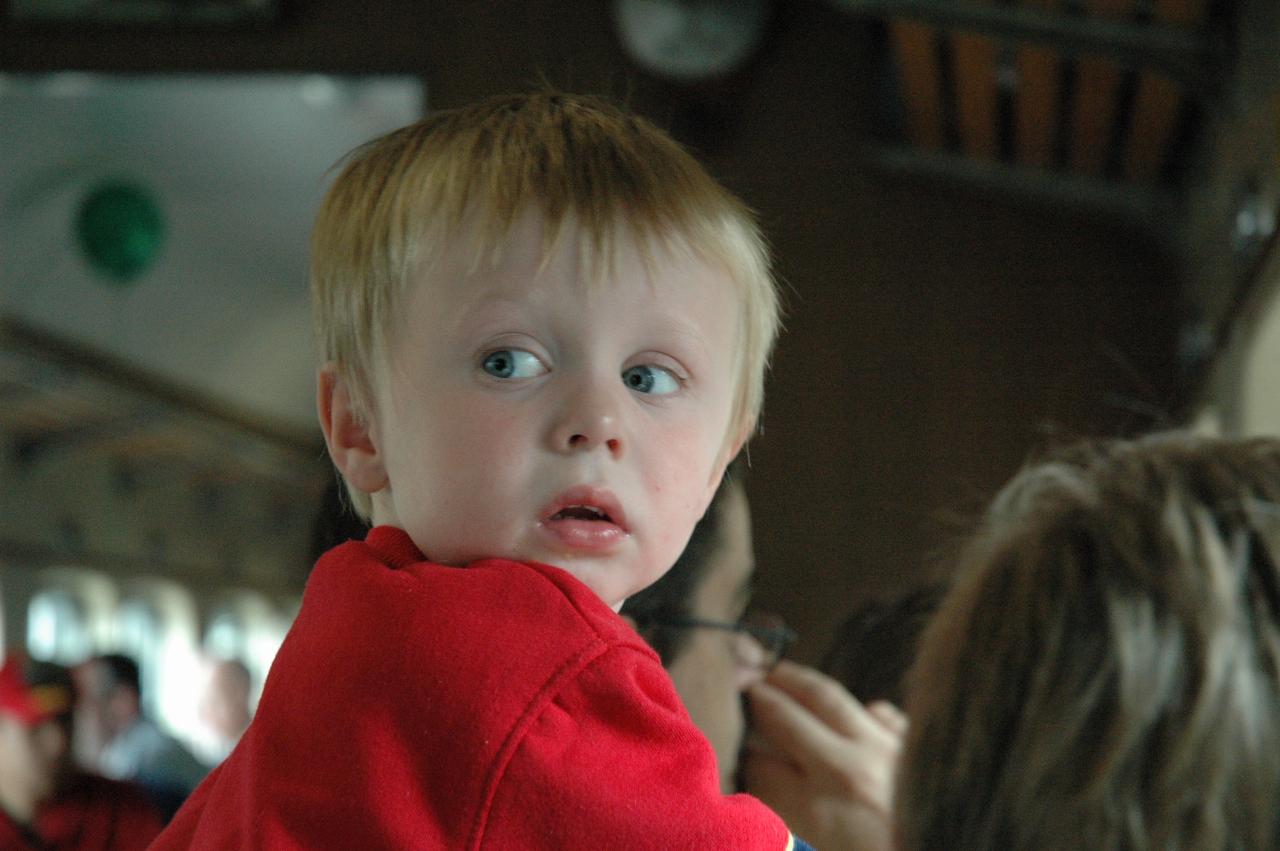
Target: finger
(761, 770)
(823, 696)
(790, 728)
(893, 718)
(775, 781)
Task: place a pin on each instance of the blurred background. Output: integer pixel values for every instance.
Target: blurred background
(998, 225)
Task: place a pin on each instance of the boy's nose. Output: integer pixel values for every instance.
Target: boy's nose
(590, 420)
(591, 438)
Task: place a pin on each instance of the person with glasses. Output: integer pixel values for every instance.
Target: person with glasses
(815, 755)
(695, 618)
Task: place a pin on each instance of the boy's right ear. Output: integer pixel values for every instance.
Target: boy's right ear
(348, 435)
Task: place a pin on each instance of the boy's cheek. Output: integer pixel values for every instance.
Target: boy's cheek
(693, 466)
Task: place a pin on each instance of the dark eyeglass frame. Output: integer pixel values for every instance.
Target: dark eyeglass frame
(775, 640)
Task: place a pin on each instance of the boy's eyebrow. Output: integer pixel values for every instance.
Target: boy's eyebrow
(488, 303)
(690, 332)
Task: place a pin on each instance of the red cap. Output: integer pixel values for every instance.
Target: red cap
(30, 704)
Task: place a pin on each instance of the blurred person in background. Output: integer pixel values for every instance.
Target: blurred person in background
(45, 803)
(132, 746)
(693, 618)
(224, 708)
(815, 755)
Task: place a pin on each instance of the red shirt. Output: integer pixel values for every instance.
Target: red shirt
(90, 813)
(500, 706)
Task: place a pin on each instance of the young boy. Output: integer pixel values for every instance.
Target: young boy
(544, 332)
(1105, 674)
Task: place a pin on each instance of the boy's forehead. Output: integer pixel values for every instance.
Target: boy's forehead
(534, 251)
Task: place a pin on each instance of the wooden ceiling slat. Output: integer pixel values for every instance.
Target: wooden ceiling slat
(1158, 102)
(1156, 106)
(977, 109)
(1188, 14)
(916, 48)
(1036, 104)
(1097, 94)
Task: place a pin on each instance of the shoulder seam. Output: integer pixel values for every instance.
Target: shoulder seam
(572, 666)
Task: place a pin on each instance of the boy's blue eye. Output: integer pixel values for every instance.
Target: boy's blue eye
(650, 379)
(513, 363)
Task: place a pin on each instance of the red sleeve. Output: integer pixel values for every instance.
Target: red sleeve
(501, 706)
(180, 832)
(613, 761)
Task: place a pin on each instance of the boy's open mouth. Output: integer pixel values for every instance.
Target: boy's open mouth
(581, 512)
(585, 518)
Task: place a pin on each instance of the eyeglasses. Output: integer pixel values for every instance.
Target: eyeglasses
(760, 639)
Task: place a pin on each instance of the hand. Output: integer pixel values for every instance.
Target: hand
(822, 760)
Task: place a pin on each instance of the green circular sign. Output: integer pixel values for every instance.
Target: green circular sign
(120, 230)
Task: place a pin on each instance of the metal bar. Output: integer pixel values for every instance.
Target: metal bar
(29, 556)
(17, 334)
(1151, 210)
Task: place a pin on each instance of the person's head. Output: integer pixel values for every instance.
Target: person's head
(35, 729)
(1105, 673)
(109, 696)
(224, 706)
(544, 330)
(875, 646)
(692, 617)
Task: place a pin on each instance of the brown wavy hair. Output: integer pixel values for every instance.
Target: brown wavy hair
(1105, 673)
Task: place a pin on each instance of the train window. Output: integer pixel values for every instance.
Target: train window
(58, 628)
(224, 637)
(248, 628)
(1242, 396)
(155, 623)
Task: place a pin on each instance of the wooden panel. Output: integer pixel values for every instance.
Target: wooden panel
(916, 47)
(1036, 105)
(1157, 102)
(975, 90)
(1187, 14)
(1156, 106)
(1096, 97)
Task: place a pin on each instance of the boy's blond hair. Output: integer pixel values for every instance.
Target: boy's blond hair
(464, 176)
(1106, 672)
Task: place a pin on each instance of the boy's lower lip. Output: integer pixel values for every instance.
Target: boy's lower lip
(589, 535)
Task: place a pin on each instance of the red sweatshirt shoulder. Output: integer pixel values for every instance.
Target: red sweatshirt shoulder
(402, 697)
(613, 761)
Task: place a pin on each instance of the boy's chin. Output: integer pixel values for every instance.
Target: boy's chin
(610, 598)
